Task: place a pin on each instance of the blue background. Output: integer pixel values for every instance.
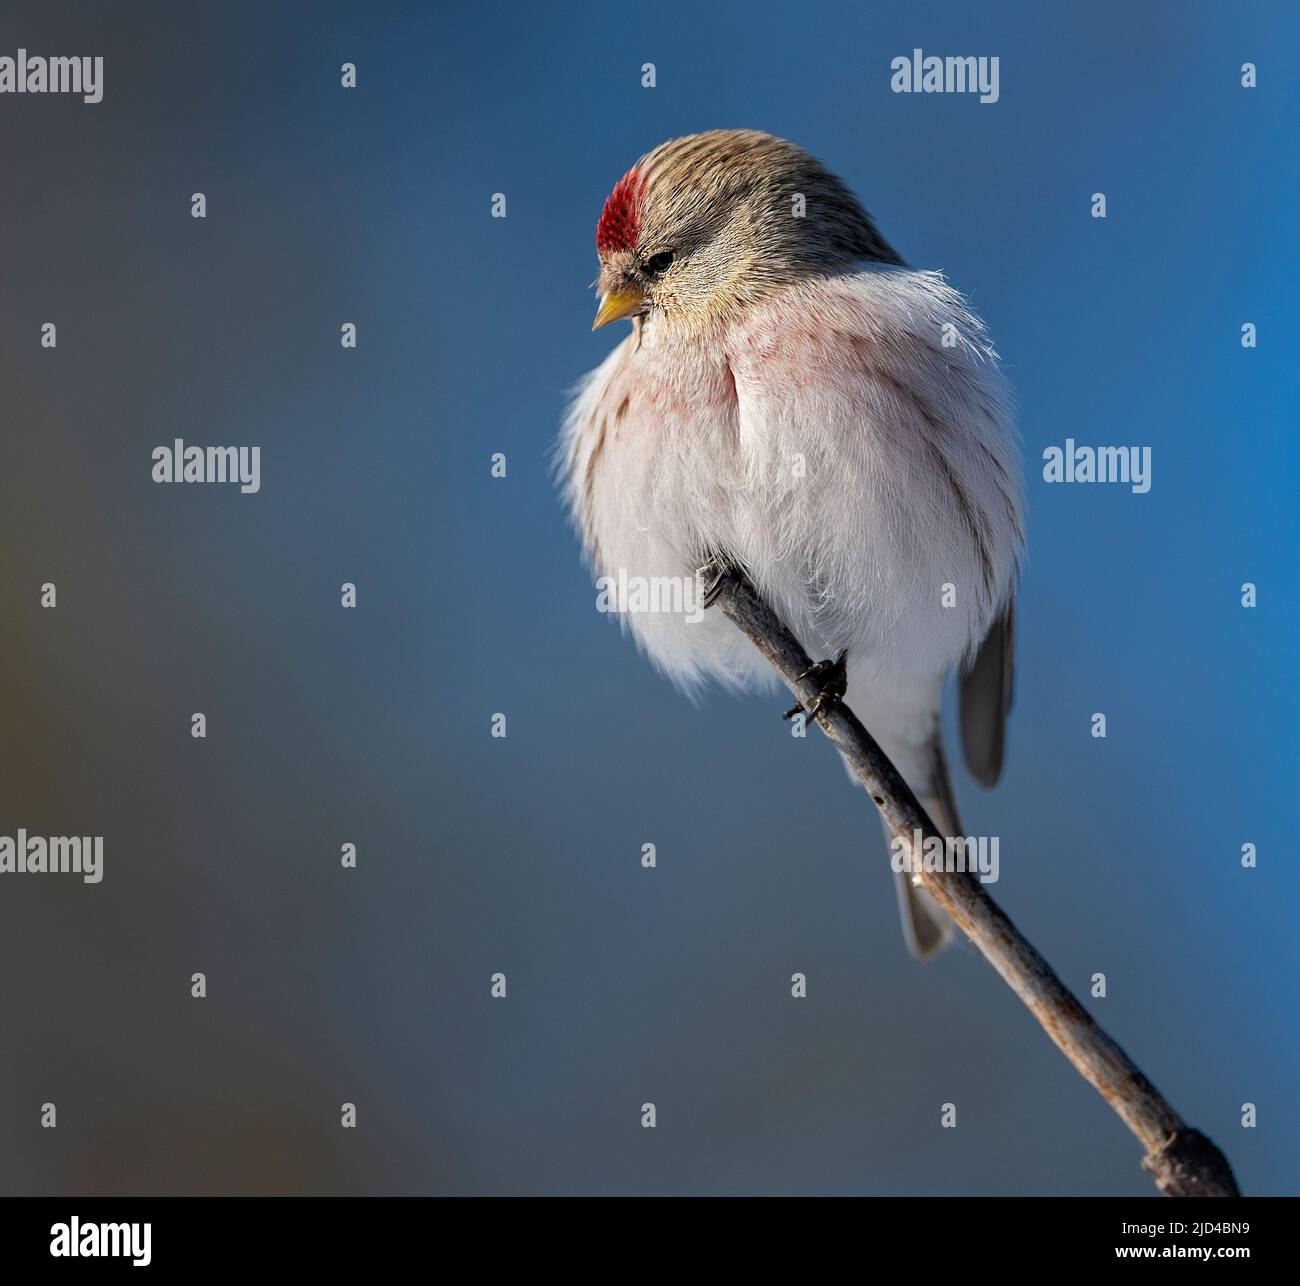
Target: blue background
(522, 855)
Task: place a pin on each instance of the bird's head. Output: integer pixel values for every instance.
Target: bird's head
(706, 225)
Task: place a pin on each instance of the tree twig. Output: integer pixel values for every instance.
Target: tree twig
(1183, 1162)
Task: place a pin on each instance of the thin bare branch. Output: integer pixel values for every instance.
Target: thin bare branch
(1183, 1162)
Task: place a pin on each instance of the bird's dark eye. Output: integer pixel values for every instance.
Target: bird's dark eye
(656, 265)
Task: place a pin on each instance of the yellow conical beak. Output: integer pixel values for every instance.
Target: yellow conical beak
(618, 303)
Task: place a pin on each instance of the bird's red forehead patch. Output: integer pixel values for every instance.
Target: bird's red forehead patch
(620, 220)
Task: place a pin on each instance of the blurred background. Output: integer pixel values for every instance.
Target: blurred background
(478, 855)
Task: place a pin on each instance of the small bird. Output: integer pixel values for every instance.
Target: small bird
(794, 401)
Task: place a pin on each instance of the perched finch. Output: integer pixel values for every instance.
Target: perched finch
(795, 402)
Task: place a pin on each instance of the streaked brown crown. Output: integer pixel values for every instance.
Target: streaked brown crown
(701, 177)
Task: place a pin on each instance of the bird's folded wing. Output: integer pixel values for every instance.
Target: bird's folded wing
(986, 692)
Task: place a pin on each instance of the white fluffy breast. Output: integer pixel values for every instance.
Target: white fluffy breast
(849, 443)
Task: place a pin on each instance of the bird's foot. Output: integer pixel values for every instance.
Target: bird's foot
(713, 575)
(832, 683)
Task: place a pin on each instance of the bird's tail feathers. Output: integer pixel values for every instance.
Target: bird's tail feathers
(927, 929)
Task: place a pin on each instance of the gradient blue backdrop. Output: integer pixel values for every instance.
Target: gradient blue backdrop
(479, 855)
